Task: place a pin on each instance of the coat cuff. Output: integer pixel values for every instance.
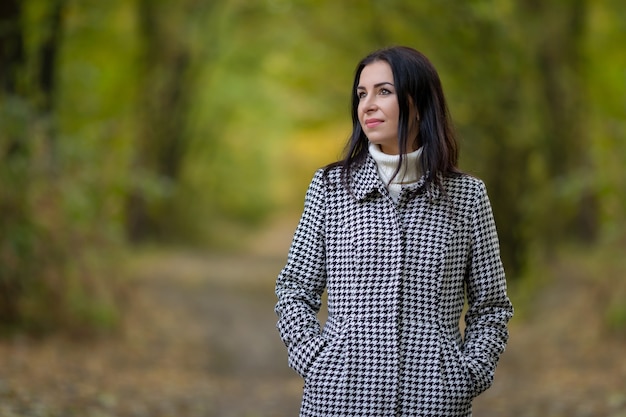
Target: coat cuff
(482, 373)
(302, 355)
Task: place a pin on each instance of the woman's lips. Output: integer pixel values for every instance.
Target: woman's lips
(370, 123)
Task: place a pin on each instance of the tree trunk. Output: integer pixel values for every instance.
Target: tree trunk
(558, 53)
(23, 104)
(48, 53)
(164, 101)
(14, 154)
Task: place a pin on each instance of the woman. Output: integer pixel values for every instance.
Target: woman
(399, 238)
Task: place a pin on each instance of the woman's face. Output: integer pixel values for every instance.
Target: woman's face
(378, 108)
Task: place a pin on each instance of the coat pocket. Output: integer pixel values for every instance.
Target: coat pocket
(457, 377)
(331, 355)
(304, 354)
(324, 383)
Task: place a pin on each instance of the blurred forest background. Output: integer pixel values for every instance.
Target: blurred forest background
(193, 125)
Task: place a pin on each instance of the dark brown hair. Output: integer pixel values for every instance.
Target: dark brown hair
(416, 81)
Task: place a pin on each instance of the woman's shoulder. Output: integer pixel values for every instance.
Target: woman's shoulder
(464, 187)
(464, 179)
(333, 173)
(324, 177)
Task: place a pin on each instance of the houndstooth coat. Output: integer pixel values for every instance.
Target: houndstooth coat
(397, 277)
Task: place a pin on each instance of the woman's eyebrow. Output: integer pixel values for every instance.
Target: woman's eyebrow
(376, 85)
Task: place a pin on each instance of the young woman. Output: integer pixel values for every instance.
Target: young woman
(400, 239)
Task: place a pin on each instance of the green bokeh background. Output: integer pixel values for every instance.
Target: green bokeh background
(169, 125)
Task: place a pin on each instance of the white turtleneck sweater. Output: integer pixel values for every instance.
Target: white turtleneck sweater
(387, 164)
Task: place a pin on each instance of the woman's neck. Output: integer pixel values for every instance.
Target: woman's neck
(387, 165)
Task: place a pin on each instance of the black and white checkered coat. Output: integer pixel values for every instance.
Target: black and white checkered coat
(396, 277)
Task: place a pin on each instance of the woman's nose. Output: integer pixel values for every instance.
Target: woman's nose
(369, 105)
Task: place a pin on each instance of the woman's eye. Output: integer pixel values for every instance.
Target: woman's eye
(361, 94)
(384, 91)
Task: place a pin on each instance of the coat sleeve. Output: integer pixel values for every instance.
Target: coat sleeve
(302, 281)
(490, 309)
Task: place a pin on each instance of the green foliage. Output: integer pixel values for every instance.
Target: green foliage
(58, 196)
(180, 121)
(616, 317)
(603, 267)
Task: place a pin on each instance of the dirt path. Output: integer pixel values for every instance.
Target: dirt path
(199, 340)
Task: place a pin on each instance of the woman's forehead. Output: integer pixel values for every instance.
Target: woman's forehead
(375, 73)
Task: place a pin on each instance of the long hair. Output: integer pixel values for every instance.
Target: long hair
(416, 81)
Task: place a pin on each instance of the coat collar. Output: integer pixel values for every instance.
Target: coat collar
(365, 182)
